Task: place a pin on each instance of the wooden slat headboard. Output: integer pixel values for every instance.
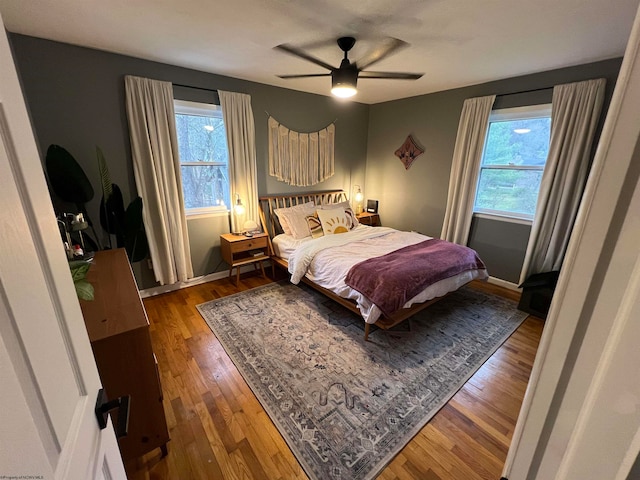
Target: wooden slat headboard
(268, 203)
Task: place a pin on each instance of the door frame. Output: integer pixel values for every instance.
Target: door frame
(579, 340)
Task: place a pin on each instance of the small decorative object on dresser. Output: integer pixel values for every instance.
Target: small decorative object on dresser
(372, 219)
(239, 250)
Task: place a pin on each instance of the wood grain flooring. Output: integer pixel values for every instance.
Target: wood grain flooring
(219, 430)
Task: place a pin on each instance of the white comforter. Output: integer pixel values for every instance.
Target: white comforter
(326, 261)
(302, 257)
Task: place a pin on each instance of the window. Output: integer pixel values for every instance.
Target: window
(513, 160)
(202, 145)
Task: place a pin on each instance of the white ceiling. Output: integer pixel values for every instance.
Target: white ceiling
(454, 42)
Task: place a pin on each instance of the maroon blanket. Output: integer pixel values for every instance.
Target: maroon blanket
(393, 279)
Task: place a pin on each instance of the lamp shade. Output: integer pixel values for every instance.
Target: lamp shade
(250, 226)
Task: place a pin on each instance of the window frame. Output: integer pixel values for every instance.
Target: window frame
(185, 107)
(500, 115)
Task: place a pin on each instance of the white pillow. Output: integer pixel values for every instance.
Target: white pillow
(284, 215)
(283, 223)
(329, 206)
(347, 209)
(334, 221)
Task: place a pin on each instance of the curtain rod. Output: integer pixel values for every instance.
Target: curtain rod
(525, 91)
(197, 88)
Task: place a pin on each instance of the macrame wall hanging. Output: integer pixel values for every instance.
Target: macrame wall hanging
(301, 159)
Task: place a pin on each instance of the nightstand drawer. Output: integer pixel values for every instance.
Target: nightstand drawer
(248, 244)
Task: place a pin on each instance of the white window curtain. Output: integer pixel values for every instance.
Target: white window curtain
(575, 112)
(467, 155)
(156, 167)
(241, 140)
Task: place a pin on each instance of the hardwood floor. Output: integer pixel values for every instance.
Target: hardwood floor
(219, 430)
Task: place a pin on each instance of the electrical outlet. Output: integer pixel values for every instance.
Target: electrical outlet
(149, 264)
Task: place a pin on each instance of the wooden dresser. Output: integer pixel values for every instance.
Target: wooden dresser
(119, 333)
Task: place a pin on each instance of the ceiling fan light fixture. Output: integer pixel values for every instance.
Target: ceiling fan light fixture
(344, 82)
(344, 79)
(344, 91)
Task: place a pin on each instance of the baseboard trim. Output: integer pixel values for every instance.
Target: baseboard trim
(503, 283)
(150, 292)
(153, 291)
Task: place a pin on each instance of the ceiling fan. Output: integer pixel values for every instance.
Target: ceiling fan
(345, 78)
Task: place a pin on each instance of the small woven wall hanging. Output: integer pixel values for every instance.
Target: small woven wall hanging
(301, 159)
(408, 152)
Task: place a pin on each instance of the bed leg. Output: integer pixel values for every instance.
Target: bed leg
(367, 326)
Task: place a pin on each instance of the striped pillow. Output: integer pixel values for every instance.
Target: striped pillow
(315, 226)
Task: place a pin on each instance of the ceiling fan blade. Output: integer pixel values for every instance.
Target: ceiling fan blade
(387, 47)
(302, 54)
(306, 75)
(391, 75)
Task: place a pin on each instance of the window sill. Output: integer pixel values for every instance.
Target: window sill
(502, 218)
(198, 215)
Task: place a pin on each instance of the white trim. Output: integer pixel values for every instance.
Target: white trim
(503, 283)
(206, 212)
(502, 166)
(503, 115)
(502, 218)
(611, 403)
(521, 113)
(204, 163)
(630, 457)
(150, 292)
(183, 107)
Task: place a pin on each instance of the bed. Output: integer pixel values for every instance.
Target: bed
(327, 262)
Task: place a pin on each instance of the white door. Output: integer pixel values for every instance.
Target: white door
(581, 414)
(48, 377)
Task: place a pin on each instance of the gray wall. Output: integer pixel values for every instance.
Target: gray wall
(416, 199)
(499, 244)
(76, 99)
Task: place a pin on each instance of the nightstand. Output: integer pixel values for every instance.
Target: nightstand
(371, 219)
(238, 250)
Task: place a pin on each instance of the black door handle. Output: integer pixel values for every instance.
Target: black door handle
(104, 406)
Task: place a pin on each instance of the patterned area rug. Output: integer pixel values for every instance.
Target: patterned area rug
(346, 407)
